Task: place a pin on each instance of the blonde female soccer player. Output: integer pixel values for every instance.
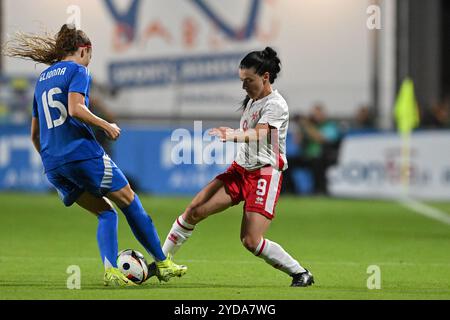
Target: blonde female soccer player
(74, 162)
(256, 174)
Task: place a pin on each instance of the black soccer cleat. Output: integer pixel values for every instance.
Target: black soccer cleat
(303, 279)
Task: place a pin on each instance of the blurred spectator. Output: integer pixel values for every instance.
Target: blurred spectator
(20, 101)
(16, 99)
(438, 116)
(363, 121)
(3, 113)
(319, 140)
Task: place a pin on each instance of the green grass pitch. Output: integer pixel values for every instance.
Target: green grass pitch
(336, 239)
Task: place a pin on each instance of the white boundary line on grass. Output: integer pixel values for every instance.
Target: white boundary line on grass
(425, 210)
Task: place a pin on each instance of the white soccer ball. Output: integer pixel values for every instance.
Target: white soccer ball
(133, 265)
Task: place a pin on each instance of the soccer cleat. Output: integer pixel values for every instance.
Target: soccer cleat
(114, 278)
(303, 279)
(168, 269)
(151, 270)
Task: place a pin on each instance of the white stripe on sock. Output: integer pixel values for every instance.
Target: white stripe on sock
(184, 223)
(259, 247)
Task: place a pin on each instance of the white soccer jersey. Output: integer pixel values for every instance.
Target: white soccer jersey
(272, 110)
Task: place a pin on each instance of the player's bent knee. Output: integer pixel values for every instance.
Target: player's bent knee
(93, 203)
(99, 206)
(105, 206)
(250, 243)
(124, 197)
(128, 198)
(193, 214)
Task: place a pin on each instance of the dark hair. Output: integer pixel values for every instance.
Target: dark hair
(46, 48)
(262, 61)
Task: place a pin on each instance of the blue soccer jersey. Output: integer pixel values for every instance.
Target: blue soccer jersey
(63, 138)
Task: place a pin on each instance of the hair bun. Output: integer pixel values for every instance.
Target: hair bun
(269, 53)
(70, 26)
(67, 30)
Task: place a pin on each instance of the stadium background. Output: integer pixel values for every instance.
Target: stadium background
(161, 65)
(165, 73)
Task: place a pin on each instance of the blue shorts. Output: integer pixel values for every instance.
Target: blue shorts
(97, 176)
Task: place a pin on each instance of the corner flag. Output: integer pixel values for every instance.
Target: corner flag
(406, 111)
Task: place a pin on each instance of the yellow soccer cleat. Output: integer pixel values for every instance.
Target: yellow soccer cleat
(114, 278)
(168, 269)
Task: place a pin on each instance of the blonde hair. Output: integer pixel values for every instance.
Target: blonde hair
(46, 48)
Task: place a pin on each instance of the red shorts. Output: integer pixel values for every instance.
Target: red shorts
(259, 189)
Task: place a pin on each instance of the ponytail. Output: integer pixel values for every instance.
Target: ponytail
(46, 49)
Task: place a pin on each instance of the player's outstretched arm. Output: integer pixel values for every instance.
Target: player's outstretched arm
(260, 132)
(78, 110)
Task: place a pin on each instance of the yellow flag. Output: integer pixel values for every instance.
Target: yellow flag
(406, 111)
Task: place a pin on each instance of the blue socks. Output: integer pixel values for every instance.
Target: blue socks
(107, 238)
(141, 225)
(143, 229)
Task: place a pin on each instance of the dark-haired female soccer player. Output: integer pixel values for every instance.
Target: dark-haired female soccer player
(256, 174)
(75, 164)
